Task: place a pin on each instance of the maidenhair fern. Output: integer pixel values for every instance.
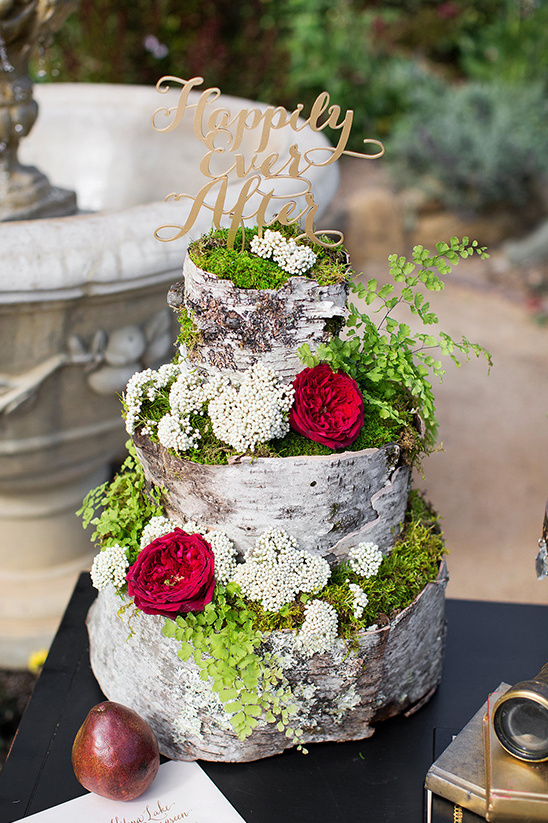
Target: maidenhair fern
(386, 356)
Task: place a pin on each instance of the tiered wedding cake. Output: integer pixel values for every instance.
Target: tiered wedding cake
(264, 580)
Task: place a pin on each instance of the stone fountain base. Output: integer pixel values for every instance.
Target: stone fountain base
(31, 197)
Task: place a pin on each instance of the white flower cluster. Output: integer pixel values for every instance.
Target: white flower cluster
(243, 412)
(188, 394)
(254, 412)
(157, 527)
(221, 545)
(319, 630)
(365, 559)
(287, 254)
(359, 599)
(109, 566)
(225, 556)
(144, 385)
(275, 570)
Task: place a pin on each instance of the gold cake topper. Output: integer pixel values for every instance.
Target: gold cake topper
(223, 135)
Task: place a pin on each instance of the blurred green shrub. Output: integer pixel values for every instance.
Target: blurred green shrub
(475, 145)
(375, 57)
(512, 47)
(233, 45)
(281, 51)
(331, 46)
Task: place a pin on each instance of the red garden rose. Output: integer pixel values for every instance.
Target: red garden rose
(173, 574)
(328, 406)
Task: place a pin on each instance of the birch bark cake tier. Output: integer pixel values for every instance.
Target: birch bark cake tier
(266, 577)
(337, 697)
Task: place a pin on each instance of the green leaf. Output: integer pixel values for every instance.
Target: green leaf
(169, 628)
(387, 289)
(235, 706)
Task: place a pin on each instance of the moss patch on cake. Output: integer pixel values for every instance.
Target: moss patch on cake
(119, 510)
(189, 334)
(375, 433)
(249, 271)
(412, 564)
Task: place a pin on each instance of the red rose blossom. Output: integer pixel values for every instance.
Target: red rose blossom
(173, 574)
(328, 406)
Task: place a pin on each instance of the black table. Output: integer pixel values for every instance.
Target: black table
(379, 780)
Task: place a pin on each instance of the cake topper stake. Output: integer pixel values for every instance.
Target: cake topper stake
(213, 128)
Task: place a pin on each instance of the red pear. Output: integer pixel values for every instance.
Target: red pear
(115, 752)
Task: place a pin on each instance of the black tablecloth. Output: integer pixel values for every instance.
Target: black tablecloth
(379, 780)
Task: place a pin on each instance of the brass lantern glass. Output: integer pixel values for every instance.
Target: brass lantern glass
(520, 719)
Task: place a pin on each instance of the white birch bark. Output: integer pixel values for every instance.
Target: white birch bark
(339, 696)
(328, 503)
(240, 326)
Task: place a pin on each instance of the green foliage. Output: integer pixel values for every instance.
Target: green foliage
(288, 51)
(249, 271)
(510, 47)
(233, 45)
(335, 46)
(388, 355)
(119, 510)
(281, 51)
(473, 146)
(189, 334)
(224, 643)
(225, 639)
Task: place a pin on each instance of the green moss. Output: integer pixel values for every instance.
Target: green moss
(248, 271)
(189, 333)
(210, 451)
(375, 433)
(413, 562)
(119, 510)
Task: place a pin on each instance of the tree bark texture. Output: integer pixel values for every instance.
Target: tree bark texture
(239, 326)
(329, 503)
(339, 696)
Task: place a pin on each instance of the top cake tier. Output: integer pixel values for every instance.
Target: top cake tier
(237, 326)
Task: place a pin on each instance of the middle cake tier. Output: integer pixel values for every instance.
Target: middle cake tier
(329, 503)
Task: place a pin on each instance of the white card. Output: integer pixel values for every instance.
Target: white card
(180, 792)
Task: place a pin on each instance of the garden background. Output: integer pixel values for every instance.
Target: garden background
(458, 92)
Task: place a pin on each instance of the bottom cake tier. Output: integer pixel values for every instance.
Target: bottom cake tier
(338, 695)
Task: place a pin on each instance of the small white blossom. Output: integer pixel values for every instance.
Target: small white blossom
(192, 527)
(276, 570)
(177, 434)
(254, 412)
(157, 527)
(110, 567)
(225, 556)
(144, 386)
(365, 559)
(359, 599)
(289, 256)
(319, 630)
